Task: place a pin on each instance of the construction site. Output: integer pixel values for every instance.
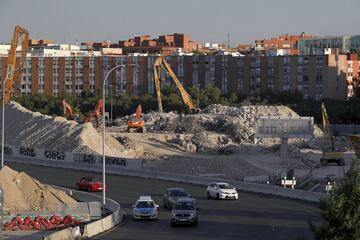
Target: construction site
(217, 141)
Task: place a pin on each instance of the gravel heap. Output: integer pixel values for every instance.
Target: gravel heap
(33, 129)
(23, 193)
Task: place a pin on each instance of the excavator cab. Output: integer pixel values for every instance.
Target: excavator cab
(137, 123)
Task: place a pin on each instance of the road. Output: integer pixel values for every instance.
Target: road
(253, 216)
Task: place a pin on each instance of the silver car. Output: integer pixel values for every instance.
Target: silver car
(173, 194)
(185, 211)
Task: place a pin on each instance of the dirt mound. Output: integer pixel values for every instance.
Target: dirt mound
(23, 193)
(33, 129)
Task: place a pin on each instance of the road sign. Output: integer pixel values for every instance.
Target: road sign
(292, 127)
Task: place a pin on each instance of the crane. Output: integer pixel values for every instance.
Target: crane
(332, 155)
(11, 60)
(161, 63)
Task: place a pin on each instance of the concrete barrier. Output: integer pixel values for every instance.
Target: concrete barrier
(65, 234)
(191, 179)
(93, 228)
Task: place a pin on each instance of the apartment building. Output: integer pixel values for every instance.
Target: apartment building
(315, 76)
(286, 43)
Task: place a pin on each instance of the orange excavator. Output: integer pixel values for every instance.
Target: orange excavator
(68, 112)
(99, 109)
(19, 32)
(137, 123)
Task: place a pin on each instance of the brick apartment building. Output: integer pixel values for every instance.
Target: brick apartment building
(165, 44)
(315, 76)
(285, 42)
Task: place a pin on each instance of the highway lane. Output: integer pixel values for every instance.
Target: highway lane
(253, 216)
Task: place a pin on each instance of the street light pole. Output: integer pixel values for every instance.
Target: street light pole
(103, 137)
(111, 105)
(198, 97)
(8, 75)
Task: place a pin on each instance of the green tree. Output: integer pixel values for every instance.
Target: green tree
(341, 211)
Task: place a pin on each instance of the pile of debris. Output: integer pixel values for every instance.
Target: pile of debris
(23, 193)
(218, 128)
(33, 129)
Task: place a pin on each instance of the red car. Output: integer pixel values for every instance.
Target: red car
(90, 184)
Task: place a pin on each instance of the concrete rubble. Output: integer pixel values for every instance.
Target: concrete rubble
(218, 128)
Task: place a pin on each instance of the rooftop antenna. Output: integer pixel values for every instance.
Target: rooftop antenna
(228, 39)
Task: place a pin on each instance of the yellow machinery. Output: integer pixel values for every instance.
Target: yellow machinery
(355, 141)
(160, 63)
(332, 155)
(11, 61)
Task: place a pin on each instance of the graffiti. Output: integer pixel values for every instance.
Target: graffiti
(7, 150)
(115, 161)
(54, 155)
(27, 151)
(84, 158)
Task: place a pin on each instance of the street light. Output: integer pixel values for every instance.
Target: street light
(198, 97)
(103, 137)
(8, 76)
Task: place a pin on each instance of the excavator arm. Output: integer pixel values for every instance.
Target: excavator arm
(68, 112)
(11, 60)
(326, 125)
(160, 62)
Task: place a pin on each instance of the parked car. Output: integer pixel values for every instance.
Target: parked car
(173, 194)
(221, 190)
(145, 208)
(90, 184)
(185, 211)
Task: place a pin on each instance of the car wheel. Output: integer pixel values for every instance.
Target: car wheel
(77, 186)
(195, 223)
(173, 224)
(217, 196)
(89, 189)
(208, 195)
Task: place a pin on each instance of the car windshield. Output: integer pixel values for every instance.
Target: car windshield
(145, 204)
(178, 194)
(184, 206)
(225, 186)
(94, 180)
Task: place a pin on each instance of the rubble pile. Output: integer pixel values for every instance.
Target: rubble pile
(218, 128)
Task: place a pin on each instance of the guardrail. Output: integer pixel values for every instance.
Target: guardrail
(93, 228)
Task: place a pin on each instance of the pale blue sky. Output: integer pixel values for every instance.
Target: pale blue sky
(205, 21)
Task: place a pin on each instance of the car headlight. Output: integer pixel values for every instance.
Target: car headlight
(173, 214)
(191, 214)
(136, 210)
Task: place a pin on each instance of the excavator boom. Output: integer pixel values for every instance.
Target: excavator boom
(326, 125)
(11, 61)
(68, 112)
(160, 62)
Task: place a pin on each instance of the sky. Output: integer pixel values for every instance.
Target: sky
(74, 21)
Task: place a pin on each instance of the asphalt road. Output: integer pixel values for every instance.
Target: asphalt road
(253, 216)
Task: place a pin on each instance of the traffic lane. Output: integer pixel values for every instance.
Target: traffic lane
(253, 216)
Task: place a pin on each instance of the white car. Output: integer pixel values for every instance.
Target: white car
(221, 190)
(145, 208)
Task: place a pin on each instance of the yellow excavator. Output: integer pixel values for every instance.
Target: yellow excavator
(19, 32)
(330, 155)
(161, 64)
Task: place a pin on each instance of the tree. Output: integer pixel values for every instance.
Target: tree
(341, 211)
